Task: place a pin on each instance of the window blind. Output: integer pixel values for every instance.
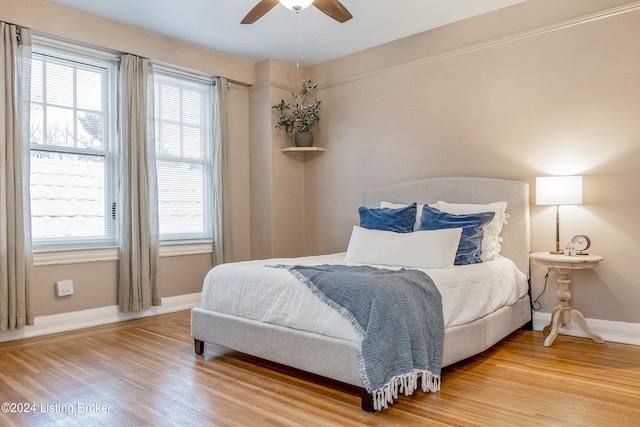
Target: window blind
(73, 147)
(184, 138)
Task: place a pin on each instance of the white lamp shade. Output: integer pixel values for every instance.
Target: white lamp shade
(559, 190)
(291, 4)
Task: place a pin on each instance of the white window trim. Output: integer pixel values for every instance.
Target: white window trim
(75, 52)
(74, 49)
(71, 255)
(182, 73)
(169, 249)
(102, 254)
(207, 163)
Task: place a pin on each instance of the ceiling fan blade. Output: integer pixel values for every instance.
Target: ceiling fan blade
(334, 9)
(260, 9)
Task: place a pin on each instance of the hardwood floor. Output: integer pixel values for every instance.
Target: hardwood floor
(144, 372)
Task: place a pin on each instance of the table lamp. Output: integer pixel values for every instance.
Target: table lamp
(558, 190)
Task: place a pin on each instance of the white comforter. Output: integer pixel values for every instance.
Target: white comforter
(253, 290)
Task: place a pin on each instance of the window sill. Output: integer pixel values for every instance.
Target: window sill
(185, 248)
(87, 255)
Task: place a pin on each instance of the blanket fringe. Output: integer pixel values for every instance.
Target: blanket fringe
(405, 384)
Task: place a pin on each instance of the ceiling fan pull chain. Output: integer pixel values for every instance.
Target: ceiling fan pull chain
(298, 37)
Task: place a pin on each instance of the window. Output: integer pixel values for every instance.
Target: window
(73, 146)
(184, 154)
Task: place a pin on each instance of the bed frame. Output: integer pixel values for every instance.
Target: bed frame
(336, 358)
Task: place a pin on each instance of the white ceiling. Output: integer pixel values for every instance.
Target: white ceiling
(215, 24)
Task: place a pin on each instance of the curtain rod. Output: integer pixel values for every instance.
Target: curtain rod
(18, 28)
(215, 82)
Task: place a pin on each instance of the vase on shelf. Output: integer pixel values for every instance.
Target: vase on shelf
(303, 139)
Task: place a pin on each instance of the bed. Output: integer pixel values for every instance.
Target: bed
(333, 351)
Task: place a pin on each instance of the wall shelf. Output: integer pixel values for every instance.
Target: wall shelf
(303, 149)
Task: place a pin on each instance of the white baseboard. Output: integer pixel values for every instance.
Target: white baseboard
(626, 333)
(44, 325)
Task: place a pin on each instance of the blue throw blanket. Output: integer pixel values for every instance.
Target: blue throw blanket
(398, 315)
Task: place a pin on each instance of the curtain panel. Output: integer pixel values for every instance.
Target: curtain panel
(16, 258)
(221, 213)
(138, 213)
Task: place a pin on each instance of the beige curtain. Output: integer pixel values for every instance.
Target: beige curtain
(139, 232)
(221, 215)
(16, 258)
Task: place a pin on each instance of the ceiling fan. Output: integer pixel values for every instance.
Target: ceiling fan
(332, 8)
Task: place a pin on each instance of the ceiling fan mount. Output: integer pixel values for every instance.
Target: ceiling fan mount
(296, 5)
(332, 8)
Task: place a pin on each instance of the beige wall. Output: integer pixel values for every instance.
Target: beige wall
(95, 283)
(277, 179)
(543, 87)
(540, 88)
(52, 19)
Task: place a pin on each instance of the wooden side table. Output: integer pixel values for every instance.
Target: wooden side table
(563, 314)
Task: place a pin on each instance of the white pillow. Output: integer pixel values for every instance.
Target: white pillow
(491, 239)
(420, 249)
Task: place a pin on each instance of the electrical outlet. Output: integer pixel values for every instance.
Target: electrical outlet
(64, 288)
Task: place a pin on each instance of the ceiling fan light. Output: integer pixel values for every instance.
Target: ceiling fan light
(296, 4)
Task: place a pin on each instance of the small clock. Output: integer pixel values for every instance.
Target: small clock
(581, 242)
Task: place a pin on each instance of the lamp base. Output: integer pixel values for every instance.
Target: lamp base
(557, 252)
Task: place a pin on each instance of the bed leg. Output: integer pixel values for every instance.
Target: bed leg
(198, 346)
(367, 400)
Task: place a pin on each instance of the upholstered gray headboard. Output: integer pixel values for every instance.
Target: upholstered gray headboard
(516, 234)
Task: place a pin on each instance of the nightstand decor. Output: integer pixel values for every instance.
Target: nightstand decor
(558, 190)
(581, 243)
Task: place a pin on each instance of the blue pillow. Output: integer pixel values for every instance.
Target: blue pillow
(399, 220)
(470, 248)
